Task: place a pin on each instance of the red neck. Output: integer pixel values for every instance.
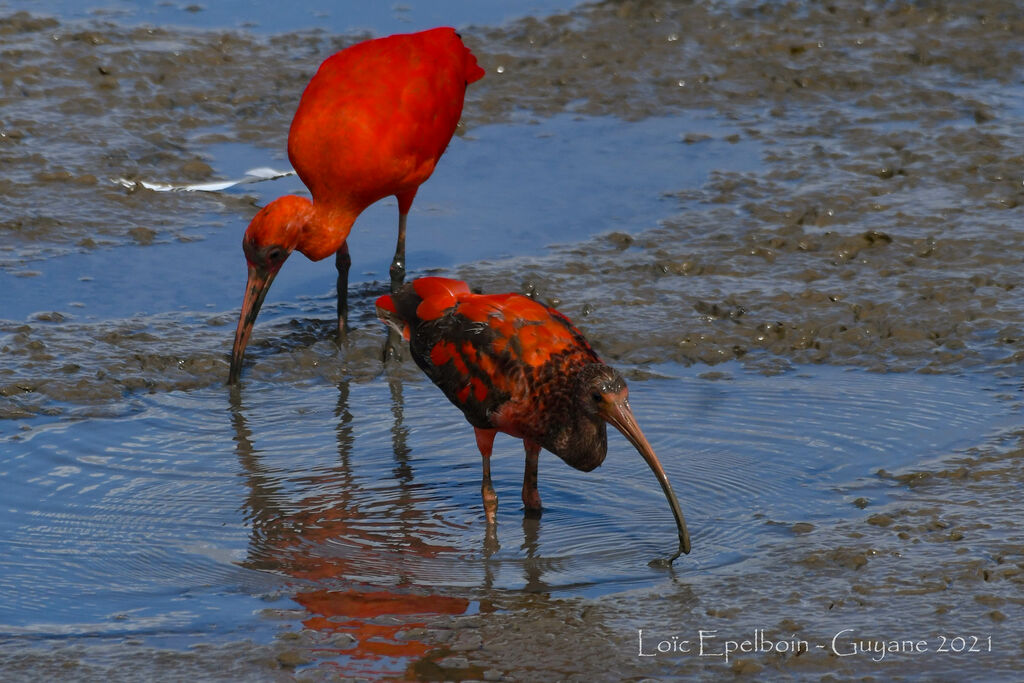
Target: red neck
(325, 230)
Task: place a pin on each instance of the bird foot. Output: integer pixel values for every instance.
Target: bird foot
(389, 353)
(531, 502)
(490, 504)
(491, 544)
(391, 348)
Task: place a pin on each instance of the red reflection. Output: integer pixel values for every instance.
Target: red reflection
(348, 611)
(297, 534)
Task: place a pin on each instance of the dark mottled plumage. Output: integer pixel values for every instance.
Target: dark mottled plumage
(493, 371)
(514, 365)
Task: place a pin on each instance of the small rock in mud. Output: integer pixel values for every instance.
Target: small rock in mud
(143, 236)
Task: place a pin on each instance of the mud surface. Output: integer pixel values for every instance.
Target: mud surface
(876, 226)
(880, 230)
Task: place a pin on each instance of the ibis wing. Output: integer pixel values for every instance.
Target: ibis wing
(492, 354)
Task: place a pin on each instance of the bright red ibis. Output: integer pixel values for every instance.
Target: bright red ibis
(514, 365)
(372, 123)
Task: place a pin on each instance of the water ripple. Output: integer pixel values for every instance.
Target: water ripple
(207, 500)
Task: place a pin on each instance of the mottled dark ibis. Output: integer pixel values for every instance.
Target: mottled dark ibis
(516, 366)
(372, 123)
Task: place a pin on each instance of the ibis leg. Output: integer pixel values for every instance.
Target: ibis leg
(531, 496)
(342, 261)
(397, 273)
(397, 270)
(485, 442)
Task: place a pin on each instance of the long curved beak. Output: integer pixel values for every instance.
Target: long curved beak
(618, 413)
(256, 289)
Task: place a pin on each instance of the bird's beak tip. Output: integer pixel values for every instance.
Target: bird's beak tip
(619, 414)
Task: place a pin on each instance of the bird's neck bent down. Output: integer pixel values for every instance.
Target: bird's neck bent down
(581, 442)
(325, 231)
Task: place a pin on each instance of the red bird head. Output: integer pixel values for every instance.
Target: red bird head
(273, 234)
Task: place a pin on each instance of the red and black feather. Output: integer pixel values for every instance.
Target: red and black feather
(505, 360)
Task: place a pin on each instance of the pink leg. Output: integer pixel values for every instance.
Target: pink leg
(485, 442)
(531, 496)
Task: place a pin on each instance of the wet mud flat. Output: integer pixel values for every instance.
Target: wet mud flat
(880, 231)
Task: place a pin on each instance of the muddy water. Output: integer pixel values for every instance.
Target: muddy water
(795, 227)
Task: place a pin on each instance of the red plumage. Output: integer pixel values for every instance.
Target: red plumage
(514, 365)
(373, 122)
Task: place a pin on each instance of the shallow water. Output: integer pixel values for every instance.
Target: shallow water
(192, 273)
(791, 226)
(265, 16)
(182, 520)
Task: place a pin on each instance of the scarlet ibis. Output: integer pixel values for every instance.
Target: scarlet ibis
(516, 366)
(372, 123)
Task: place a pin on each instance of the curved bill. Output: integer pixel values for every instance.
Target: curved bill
(621, 417)
(256, 289)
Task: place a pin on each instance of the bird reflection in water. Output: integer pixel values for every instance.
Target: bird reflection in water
(298, 524)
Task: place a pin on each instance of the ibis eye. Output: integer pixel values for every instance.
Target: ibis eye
(596, 396)
(275, 254)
